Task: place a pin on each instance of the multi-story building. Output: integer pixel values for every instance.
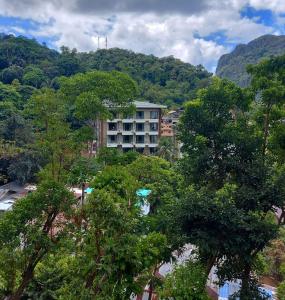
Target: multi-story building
(169, 129)
(140, 132)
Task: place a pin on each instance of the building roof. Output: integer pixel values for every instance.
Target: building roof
(144, 104)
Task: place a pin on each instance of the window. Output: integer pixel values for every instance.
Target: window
(140, 150)
(139, 127)
(152, 150)
(112, 138)
(112, 126)
(154, 114)
(153, 139)
(127, 126)
(127, 116)
(127, 139)
(140, 115)
(153, 126)
(140, 139)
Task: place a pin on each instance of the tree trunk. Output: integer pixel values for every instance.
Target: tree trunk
(26, 278)
(150, 290)
(209, 264)
(82, 194)
(35, 257)
(266, 130)
(245, 285)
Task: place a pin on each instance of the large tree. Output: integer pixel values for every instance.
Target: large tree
(93, 95)
(231, 190)
(25, 235)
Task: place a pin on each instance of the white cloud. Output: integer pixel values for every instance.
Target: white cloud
(185, 33)
(277, 6)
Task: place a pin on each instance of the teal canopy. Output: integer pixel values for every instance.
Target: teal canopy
(143, 193)
(89, 190)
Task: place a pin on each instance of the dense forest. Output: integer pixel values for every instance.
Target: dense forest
(160, 80)
(26, 67)
(225, 196)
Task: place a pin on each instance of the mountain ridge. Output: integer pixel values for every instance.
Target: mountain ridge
(166, 80)
(232, 66)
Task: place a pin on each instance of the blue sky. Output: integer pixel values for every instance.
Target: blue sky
(195, 31)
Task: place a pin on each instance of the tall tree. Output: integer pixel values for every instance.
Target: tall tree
(94, 94)
(231, 190)
(25, 235)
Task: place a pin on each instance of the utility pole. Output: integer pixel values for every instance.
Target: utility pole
(106, 43)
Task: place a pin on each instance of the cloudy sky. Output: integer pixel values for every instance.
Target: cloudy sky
(196, 31)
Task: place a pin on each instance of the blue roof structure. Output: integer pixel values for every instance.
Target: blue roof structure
(143, 203)
(224, 292)
(143, 193)
(229, 288)
(88, 190)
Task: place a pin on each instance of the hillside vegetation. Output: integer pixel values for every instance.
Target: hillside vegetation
(161, 80)
(232, 66)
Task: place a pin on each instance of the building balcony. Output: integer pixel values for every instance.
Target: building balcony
(127, 120)
(152, 145)
(114, 132)
(140, 132)
(112, 145)
(127, 145)
(139, 145)
(131, 132)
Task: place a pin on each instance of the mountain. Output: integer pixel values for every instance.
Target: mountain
(233, 65)
(161, 80)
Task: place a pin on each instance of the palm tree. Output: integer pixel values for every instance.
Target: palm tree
(167, 149)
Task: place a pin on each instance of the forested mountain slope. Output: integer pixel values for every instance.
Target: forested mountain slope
(27, 66)
(164, 80)
(233, 65)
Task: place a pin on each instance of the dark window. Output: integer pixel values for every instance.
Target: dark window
(152, 150)
(140, 115)
(153, 126)
(140, 127)
(128, 126)
(112, 138)
(139, 139)
(112, 126)
(153, 139)
(154, 114)
(127, 139)
(140, 150)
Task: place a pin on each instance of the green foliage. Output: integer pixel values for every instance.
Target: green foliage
(113, 156)
(34, 76)
(166, 80)
(9, 93)
(215, 134)
(281, 291)
(230, 183)
(11, 73)
(24, 166)
(22, 51)
(68, 62)
(186, 282)
(114, 87)
(167, 149)
(24, 234)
